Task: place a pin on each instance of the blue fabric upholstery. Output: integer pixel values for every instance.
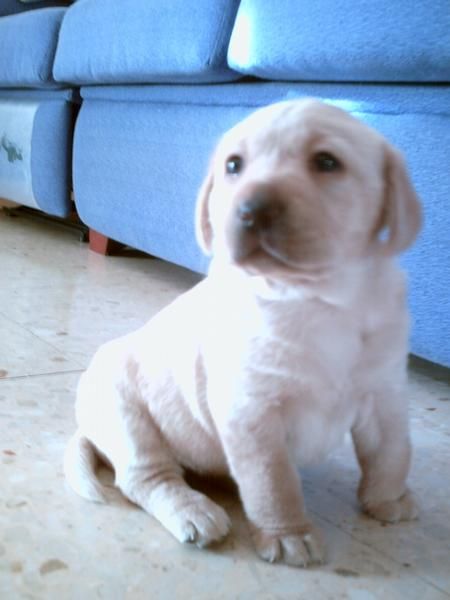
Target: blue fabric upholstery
(338, 40)
(143, 164)
(110, 41)
(27, 47)
(142, 154)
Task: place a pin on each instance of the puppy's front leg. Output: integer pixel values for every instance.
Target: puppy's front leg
(384, 453)
(270, 489)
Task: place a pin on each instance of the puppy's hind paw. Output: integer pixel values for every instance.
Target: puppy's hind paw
(299, 549)
(404, 508)
(200, 522)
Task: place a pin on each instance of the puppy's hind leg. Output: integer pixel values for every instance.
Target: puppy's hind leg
(80, 461)
(149, 476)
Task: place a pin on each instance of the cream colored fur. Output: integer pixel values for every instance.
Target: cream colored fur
(297, 336)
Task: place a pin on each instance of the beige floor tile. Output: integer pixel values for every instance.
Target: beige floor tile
(23, 353)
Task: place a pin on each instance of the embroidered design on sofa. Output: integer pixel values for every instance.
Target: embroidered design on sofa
(13, 152)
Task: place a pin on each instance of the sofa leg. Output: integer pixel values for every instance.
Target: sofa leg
(103, 245)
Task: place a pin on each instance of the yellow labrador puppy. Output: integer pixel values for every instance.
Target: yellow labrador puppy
(297, 336)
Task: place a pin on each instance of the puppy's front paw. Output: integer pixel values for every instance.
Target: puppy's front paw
(201, 522)
(298, 549)
(404, 508)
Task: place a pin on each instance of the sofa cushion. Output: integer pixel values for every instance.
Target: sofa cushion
(337, 40)
(27, 47)
(108, 41)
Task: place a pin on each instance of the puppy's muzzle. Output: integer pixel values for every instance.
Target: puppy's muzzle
(259, 212)
(256, 216)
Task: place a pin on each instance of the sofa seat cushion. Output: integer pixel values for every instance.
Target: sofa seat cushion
(27, 47)
(337, 40)
(110, 41)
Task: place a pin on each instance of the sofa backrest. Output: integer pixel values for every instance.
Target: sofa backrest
(343, 40)
(145, 41)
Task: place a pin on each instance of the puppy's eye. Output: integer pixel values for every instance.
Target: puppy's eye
(234, 164)
(324, 162)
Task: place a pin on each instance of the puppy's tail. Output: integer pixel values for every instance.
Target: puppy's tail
(80, 461)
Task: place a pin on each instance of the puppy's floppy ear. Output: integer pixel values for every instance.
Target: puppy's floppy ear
(203, 227)
(402, 215)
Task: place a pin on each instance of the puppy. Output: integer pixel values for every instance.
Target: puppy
(297, 336)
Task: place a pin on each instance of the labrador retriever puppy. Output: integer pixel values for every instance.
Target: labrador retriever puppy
(297, 336)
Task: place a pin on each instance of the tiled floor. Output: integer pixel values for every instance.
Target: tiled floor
(58, 302)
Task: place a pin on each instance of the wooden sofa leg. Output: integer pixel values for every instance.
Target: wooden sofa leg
(103, 245)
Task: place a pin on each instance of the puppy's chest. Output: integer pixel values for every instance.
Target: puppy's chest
(304, 347)
(306, 365)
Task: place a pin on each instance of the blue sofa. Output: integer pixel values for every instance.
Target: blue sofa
(36, 113)
(160, 82)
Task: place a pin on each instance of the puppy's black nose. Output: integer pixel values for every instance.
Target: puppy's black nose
(259, 212)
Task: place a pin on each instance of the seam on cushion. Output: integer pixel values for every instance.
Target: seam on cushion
(220, 35)
(50, 53)
(173, 102)
(255, 104)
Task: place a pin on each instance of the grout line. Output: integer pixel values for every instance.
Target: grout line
(35, 375)
(64, 353)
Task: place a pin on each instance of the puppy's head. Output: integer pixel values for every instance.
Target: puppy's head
(301, 186)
